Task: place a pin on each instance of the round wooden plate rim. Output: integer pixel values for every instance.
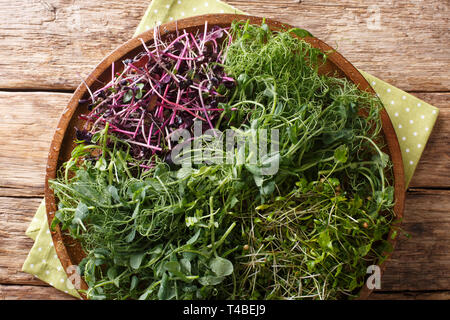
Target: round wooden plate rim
(213, 19)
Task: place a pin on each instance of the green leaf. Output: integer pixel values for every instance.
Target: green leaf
(97, 296)
(146, 293)
(382, 159)
(292, 134)
(136, 260)
(268, 187)
(343, 135)
(80, 214)
(99, 262)
(325, 241)
(389, 194)
(114, 194)
(136, 211)
(101, 164)
(363, 250)
(190, 256)
(341, 154)
(191, 221)
(270, 160)
(357, 202)
(130, 237)
(134, 282)
(233, 202)
(311, 264)
(302, 33)
(139, 94)
(173, 267)
(259, 180)
(338, 270)
(194, 238)
(184, 172)
(263, 207)
(128, 96)
(163, 292)
(334, 182)
(210, 280)
(269, 92)
(112, 273)
(242, 78)
(186, 265)
(81, 211)
(149, 290)
(386, 197)
(221, 267)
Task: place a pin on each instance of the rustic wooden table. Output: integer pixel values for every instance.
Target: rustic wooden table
(46, 45)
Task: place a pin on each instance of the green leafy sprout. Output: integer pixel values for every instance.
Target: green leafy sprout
(224, 231)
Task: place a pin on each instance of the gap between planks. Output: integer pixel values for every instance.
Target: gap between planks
(28, 127)
(407, 46)
(418, 264)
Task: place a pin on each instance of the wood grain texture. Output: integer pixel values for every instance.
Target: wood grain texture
(27, 123)
(35, 115)
(419, 263)
(15, 216)
(434, 166)
(411, 295)
(402, 42)
(422, 262)
(46, 44)
(49, 44)
(27, 292)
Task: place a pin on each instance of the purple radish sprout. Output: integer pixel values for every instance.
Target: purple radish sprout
(164, 88)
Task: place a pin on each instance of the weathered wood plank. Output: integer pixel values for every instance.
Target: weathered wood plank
(411, 295)
(28, 121)
(419, 263)
(15, 216)
(46, 44)
(26, 292)
(49, 44)
(423, 261)
(393, 40)
(434, 166)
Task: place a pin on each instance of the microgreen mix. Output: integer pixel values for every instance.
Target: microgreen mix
(153, 230)
(163, 88)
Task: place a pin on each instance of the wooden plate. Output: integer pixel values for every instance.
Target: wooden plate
(69, 251)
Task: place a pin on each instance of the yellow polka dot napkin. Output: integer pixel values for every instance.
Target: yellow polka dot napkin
(161, 11)
(42, 261)
(412, 118)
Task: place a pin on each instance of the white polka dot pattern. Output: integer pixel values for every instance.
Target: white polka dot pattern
(411, 118)
(42, 260)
